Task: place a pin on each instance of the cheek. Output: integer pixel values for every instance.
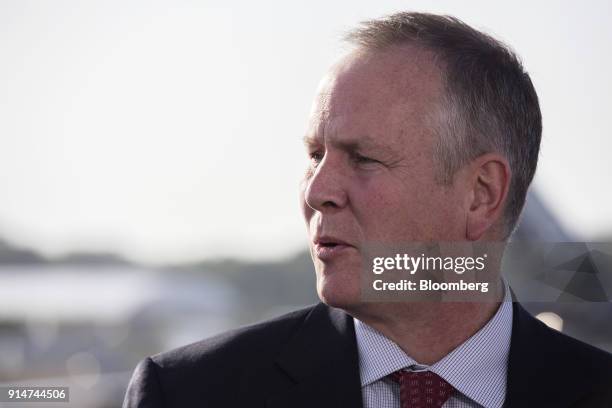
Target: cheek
(439, 215)
(380, 209)
(396, 212)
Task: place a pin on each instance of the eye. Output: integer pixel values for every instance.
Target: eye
(363, 159)
(315, 157)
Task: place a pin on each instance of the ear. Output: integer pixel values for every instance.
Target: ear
(489, 185)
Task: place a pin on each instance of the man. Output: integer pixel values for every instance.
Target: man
(427, 131)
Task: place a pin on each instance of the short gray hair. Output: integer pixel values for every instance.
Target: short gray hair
(490, 104)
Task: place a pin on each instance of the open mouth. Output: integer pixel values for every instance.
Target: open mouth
(328, 244)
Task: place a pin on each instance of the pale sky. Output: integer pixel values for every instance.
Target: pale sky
(170, 131)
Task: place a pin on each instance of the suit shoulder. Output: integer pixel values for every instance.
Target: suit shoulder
(581, 352)
(564, 351)
(542, 340)
(238, 344)
(197, 374)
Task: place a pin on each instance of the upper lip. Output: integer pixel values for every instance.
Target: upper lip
(328, 239)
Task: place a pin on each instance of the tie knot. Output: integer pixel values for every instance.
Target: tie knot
(422, 389)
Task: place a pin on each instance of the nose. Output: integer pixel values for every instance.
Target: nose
(325, 188)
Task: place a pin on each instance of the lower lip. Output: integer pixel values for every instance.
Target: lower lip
(326, 253)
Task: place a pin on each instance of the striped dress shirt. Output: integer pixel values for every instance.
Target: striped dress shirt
(476, 368)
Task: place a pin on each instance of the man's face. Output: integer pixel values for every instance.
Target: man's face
(371, 178)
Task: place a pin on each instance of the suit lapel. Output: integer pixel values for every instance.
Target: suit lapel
(322, 360)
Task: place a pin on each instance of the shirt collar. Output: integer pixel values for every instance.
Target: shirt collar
(483, 356)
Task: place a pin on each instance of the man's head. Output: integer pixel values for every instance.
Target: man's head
(427, 131)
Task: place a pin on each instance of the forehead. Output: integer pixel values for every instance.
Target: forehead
(376, 93)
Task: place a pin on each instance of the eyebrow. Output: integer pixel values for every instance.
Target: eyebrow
(366, 143)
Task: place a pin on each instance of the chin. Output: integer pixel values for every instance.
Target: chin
(339, 293)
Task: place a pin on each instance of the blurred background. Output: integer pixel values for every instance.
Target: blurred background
(150, 154)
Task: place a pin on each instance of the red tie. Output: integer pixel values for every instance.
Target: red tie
(422, 389)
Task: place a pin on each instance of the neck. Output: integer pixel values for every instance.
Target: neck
(427, 331)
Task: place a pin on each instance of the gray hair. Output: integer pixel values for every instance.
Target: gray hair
(490, 104)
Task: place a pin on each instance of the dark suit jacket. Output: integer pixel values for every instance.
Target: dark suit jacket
(309, 358)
